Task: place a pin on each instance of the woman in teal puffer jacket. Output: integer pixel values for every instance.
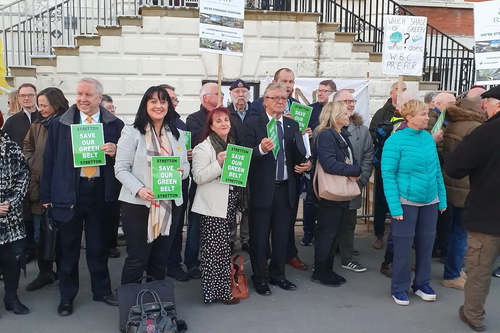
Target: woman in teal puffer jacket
(414, 188)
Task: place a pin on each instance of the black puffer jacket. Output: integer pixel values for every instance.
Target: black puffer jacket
(384, 113)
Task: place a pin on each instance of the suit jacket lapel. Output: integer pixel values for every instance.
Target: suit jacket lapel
(263, 121)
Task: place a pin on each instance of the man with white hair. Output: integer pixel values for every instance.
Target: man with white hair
(478, 156)
(210, 99)
(77, 195)
(362, 146)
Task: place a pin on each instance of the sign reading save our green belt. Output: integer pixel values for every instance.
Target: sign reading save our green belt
(87, 141)
(301, 114)
(236, 165)
(166, 180)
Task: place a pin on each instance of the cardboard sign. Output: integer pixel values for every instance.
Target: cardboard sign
(236, 165)
(187, 139)
(87, 141)
(301, 114)
(166, 180)
(404, 44)
(272, 132)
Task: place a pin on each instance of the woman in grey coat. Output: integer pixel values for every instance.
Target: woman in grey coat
(362, 145)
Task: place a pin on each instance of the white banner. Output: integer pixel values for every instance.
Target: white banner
(404, 44)
(487, 42)
(305, 93)
(221, 26)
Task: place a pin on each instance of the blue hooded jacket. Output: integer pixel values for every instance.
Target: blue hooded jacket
(411, 169)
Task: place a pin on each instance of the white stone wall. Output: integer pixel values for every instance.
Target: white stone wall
(165, 50)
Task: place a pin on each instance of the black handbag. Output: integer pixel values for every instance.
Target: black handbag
(127, 297)
(49, 230)
(149, 317)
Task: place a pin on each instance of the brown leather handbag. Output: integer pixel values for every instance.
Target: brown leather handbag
(334, 187)
(239, 286)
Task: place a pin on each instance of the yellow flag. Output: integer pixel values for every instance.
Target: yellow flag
(3, 70)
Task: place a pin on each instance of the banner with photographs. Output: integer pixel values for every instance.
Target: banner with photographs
(487, 42)
(221, 26)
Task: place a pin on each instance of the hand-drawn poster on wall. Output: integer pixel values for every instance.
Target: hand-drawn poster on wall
(487, 42)
(404, 44)
(221, 26)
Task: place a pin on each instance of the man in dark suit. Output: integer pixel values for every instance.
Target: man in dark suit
(282, 75)
(17, 126)
(77, 195)
(238, 110)
(196, 123)
(273, 184)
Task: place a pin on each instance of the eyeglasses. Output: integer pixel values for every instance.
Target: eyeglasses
(175, 100)
(111, 107)
(277, 99)
(350, 101)
(22, 96)
(322, 91)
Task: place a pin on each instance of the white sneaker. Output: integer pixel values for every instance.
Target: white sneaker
(426, 293)
(355, 266)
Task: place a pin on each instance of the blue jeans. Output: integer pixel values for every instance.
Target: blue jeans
(37, 220)
(419, 225)
(457, 246)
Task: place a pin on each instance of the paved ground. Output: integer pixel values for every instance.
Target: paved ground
(362, 305)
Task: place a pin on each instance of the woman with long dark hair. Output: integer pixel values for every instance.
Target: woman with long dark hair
(51, 103)
(217, 204)
(147, 222)
(14, 180)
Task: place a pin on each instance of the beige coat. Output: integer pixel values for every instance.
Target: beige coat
(211, 195)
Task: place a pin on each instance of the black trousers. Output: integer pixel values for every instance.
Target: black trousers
(88, 215)
(381, 208)
(328, 230)
(11, 260)
(143, 256)
(291, 249)
(112, 222)
(175, 257)
(443, 231)
(277, 221)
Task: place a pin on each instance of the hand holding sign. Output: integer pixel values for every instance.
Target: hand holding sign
(266, 145)
(221, 157)
(109, 149)
(146, 194)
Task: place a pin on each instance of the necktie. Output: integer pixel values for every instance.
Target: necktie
(90, 170)
(281, 154)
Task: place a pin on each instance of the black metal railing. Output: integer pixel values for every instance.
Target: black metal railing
(446, 60)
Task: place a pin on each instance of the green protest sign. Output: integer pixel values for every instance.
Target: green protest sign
(439, 122)
(301, 114)
(272, 132)
(187, 139)
(236, 165)
(86, 141)
(166, 180)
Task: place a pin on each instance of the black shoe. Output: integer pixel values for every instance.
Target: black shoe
(178, 273)
(262, 288)
(231, 245)
(307, 240)
(114, 253)
(14, 304)
(65, 308)
(41, 281)
(284, 284)
(194, 273)
(111, 300)
(245, 247)
(466, 321)
(339, 278)
(326, 280)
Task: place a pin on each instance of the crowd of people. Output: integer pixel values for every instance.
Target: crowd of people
(437, 183)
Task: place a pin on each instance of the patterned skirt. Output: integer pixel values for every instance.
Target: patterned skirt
(216, 252)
